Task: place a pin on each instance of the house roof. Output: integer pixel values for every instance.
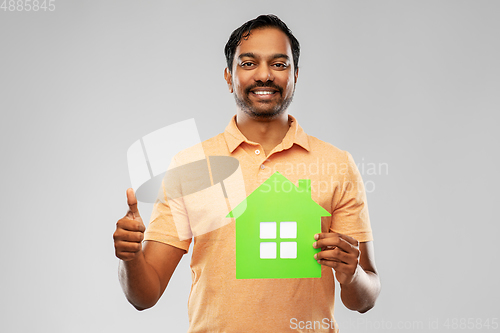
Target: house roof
(281, 189)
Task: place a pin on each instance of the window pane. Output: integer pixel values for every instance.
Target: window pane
(267, 230)
(268, 250)
(288, 250)
(288, 230)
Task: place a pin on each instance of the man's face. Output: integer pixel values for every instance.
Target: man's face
(263, 79)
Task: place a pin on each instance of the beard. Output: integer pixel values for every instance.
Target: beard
(262, 112)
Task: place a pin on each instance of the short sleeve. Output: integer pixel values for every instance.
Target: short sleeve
(350, 209)
(169, 221)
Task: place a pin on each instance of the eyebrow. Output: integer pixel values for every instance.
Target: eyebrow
(274, 56)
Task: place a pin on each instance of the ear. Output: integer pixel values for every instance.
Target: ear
(229, 79)
(296, 75)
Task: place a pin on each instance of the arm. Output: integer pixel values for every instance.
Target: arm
(145, 278)
(354, 266)
(144, 271)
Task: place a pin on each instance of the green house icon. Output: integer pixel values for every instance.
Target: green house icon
(275, 228)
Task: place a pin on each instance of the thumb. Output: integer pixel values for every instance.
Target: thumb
(132, 204)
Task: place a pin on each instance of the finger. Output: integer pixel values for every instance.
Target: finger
(328, 241)
(346, 246)
(325, 235)
(336, 234)
(333, 240)
(128, 236)
(336, 255)
(351, 240)
(132, 203)
(339, 266)
(133, 247)
(330, 263)
(130, 225)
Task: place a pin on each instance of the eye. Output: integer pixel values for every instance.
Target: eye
(246, 64)
(280, 66)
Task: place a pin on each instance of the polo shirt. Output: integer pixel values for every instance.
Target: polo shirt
(219, 302)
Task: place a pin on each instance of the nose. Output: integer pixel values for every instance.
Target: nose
(263, 73)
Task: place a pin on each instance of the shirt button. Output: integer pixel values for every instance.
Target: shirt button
(262, 166)
(257, 152)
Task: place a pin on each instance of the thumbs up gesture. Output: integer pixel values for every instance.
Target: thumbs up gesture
(129, 231)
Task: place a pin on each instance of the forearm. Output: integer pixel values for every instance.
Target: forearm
(360, 295)
(140, 282)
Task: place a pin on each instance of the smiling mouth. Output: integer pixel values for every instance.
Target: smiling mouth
(264, 93)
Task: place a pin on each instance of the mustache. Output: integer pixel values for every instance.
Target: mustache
(264, 85)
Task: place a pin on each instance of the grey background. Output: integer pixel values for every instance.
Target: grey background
(414, 84)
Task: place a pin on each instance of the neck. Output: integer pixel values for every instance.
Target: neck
(267, 132)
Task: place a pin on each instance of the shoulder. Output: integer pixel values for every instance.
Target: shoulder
(216, 145)
(327, 150)
(213, 146)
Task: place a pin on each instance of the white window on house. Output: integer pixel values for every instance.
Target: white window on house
(288, 250)
(287, 247)
(267, 230)
(268, 250)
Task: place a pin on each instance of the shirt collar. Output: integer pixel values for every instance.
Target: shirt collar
(295, 135)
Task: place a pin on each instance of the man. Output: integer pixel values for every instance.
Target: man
(262, 57)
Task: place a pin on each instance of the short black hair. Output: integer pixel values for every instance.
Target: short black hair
(263, 21)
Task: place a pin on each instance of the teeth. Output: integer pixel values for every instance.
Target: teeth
(260, 92)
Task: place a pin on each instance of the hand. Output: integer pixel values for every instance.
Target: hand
(129, 231)
(340, 252)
